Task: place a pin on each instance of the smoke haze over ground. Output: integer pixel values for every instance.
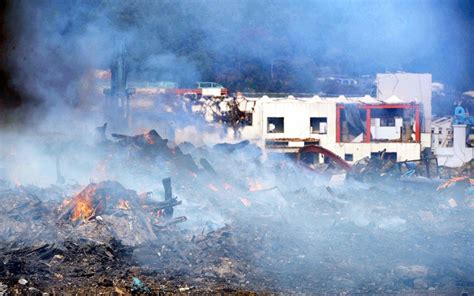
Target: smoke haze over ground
(376, 236)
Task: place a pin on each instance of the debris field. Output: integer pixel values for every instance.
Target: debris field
(221, 219)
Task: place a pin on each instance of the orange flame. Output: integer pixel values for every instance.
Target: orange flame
(83, 204)
(82, 209)
(124, 205)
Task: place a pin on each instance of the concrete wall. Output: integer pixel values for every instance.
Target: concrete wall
(457, 155)
(441, 133)
(386, 132)
(297, 116)
(407, 87)
(405, 151)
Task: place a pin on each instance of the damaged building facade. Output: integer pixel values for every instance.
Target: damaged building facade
(353, 128)
(350, 127)
(397, 121)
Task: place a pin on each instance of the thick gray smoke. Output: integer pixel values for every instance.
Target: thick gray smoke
(246, 45)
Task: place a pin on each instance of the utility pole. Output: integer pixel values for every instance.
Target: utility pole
(117, 97)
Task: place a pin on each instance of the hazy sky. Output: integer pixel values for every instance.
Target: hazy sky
(49, 45)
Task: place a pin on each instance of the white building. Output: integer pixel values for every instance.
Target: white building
(442, 133)
(458, 153)
(353, 128)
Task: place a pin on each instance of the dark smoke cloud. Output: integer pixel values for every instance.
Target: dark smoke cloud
(49, 46)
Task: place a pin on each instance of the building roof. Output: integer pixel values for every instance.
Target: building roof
(367, 100)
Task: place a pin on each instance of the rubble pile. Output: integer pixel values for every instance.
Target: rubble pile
(241, 225)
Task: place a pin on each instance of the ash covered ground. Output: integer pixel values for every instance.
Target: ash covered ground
(237, 222)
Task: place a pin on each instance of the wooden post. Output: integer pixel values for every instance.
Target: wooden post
(168, 195)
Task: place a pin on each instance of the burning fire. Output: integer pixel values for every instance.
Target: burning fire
(82, 204)
(124, 205)
(82, 209)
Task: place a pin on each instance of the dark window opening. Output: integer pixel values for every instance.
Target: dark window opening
(275, 124)
(349, 157)
(318, 125)
(387, 121)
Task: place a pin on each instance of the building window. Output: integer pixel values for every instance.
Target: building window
(349, 157)
(318, 125)
(387, 121)
(275, 124)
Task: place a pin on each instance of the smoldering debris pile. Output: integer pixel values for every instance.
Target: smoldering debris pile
(239, 225)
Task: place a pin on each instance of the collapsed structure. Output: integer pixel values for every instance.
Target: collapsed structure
(353, 128)
(398, 121)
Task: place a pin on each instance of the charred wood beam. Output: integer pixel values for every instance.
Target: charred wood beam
(168, 211)
(171, 222)
(156, 206)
